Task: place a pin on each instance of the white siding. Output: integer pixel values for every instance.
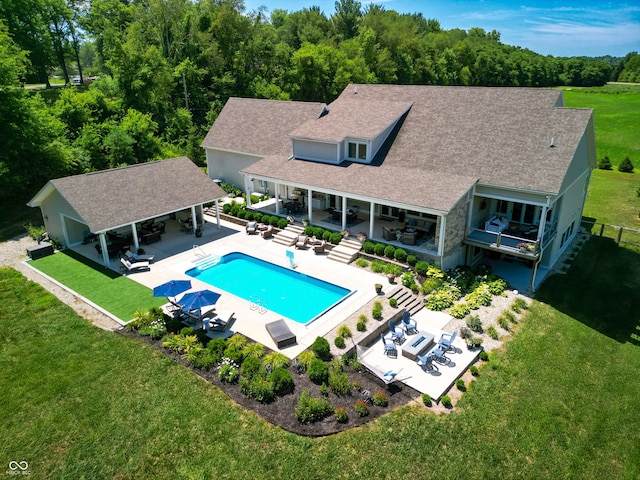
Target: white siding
(227, 165)
(317, 151)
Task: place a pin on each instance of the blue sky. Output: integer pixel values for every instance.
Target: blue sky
(559, 28)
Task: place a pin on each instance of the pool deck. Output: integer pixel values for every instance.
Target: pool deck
(179, 252)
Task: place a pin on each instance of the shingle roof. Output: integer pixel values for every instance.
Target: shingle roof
(259, 127)
(450, 138)
(351, 118)
(121, 196)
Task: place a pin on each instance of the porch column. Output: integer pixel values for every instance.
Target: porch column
(443, 229)
(134, 233)
(217, 204)
(194, 219)
(372, 216)
(542, 224)
(344, 212)
(277, 197)
(310, 206)
(105, 253)
(247, 191)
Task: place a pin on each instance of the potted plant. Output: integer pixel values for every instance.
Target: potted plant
(391, 277)
(378, 288)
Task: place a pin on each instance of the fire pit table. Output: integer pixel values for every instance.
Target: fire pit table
(417, 344)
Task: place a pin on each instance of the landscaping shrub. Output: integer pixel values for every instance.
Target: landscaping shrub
(412, 260)
(378, 266)
(339, 342)
(446, 401)
(361, 326)
(326, 236)
(439, 301)
(249, 216)
(187, 331)
(519, 304)
(408, 279)
(234, 353)
(377, 310)
(474, 323)
(204, 360)
(257, 216)
(259, 388)
(335, 238)
(460, 385)
(282, 381)
(389, 251)
(311, 409)
(273, 220)
(363, 317)
(480, 297)
(282, 223)
(156, 329)
(393, 302)
(421, 268)
(362, 263)
(380, 399)
(341, 415)
(509, 315)
(226, 208)
(228, 373)
(321, 348)
(317, 232)
(503, 322)
(344, 331)
(318, 371)
(400, 255)
(368, 247)
(250, 367)
(484, 356)
(431, 285)
(361, 408)
(308, 230)
(460, 310)
(304, 359)
(496, 287)
(474, 370)
(217, 346)
(604, 163)
(339, 382)
(253, 349)
(356, 386)
(626, 166)
(492, 332)
(465, 332)
(426, 399)
(379, 249)
(242, 214)
(324, 390)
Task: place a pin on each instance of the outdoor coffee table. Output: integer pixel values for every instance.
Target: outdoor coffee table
(417, 344)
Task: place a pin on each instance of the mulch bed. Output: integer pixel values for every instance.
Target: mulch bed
(281, 412)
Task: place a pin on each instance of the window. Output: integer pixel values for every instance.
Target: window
(502, 207)
(357, 151)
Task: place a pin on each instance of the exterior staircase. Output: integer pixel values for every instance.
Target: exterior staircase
(346, 251)
(289, 235)
(406, 299)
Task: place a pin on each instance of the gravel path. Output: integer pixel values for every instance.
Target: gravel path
(13, 254)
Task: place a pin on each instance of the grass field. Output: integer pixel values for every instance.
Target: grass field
(560, 400)
(113, 292)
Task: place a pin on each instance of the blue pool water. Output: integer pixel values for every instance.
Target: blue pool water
(289, 293)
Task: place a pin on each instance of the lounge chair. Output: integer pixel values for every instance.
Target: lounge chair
(251, 228)
(192, 317)
(408, 323)
(219, 322)
(267, 233)
(280, 333)
(127, 266)
(134, 257)
(319, 247)
(446, 341)
(438, 355)
(426, 361)
(397, 335)
(387, 375)
(301, 242)
(389, 347)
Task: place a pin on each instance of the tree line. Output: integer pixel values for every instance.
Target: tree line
(165, 68)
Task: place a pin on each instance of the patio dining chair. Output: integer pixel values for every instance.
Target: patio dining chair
(389, 347)
(439, 355)
(397, 335)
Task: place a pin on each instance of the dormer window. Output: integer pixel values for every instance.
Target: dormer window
(357, 151)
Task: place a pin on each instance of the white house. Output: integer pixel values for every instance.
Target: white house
(453, 174)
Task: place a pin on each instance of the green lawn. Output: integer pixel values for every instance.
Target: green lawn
(559, 401)
(113, 292)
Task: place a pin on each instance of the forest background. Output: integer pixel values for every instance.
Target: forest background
(154, 74)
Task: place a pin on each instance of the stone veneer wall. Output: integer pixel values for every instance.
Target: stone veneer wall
(456, 226)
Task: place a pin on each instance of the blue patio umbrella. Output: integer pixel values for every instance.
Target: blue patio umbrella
(196, 300)
(172, 288)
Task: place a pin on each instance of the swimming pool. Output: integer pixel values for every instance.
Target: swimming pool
(289, 293)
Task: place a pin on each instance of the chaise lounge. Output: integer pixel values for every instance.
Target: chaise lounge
(127, 266)
(280, 333)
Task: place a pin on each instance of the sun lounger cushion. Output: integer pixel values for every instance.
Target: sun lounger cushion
(280, 333)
